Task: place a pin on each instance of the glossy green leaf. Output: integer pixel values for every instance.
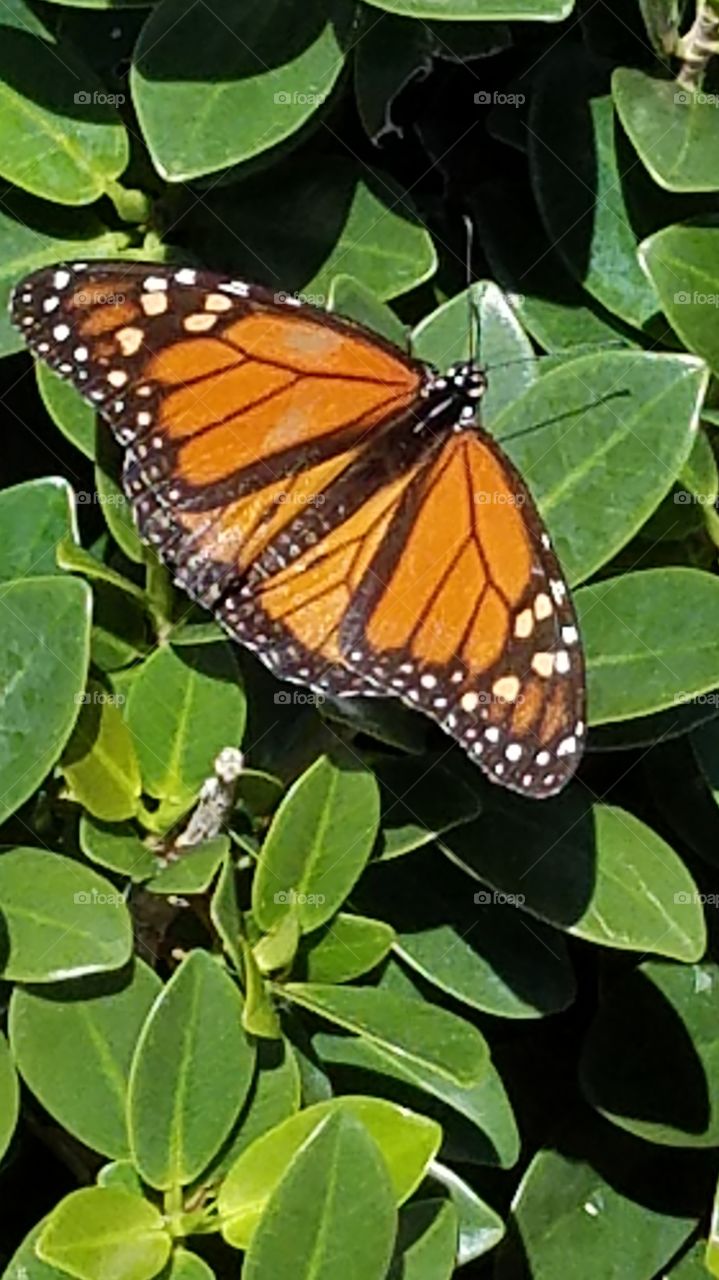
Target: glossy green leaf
(99, 1231)
(550, 303)
(192, 870)
(480, 1228)
(33, 518)
(569, 1208)
(594, 870)
(682, 264)
(43, 667)
(335, 1185)
(34, 234)
(118, 847)
(365, 227)
(407, 1143)
(581, 187)
(25, 1264)
(116, 508)
(184, 706)
(419, 1031)
(66, 148)
(198, 69)
(93, 1029)
(317, 846)
(351, 298)
(447, 335)
(672, 129)
(426, 1241)
(345, 948)
(225, 913)
(649, 641)
(190, 1075)
(9, 1096)
(613, 414)
(122, 1175)
(99, 762)
(60, 919)
(274, 1096)
(487, 10)
(650, 1059)
(420, 799)
(188, 1266)
(477, 1119)
(75, 418)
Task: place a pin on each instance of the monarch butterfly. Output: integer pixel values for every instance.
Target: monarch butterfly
(332, 500)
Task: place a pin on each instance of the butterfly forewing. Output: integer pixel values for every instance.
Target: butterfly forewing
(296, 474)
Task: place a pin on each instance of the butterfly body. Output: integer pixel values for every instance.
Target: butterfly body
(336, 503)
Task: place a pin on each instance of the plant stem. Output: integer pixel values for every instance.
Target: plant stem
(698, 46)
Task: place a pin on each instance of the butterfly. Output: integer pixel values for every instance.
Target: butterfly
(332, 500)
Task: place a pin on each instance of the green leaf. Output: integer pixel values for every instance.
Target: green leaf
(99, 762)
(187, 1266)
(66, 149)
(9, 1096)
(650, 1059)
(335, 1185)
(61, 920)
(192, 870)
(581, 187)
(364, 226)
(407, 1142)
(426, 1241)
(681, 262)
(317, 846)
(347, 947)
(421, 1032)
(25, 1264)
(184, 706)
(33, 518)
(550, 303)
(43, 667)
(198, 69)
(117, 847)
(477, 1119)
(672, 129)
(75, 418)
(420, 799)
(116, 507)
(570, 1207)
(486, 10)
(480, 1228)
(446, 336)
(121, 1174)
(594, 870)
(648, 641)
(35, 234)
(225, 913)
(190, 1075)
(614, 414)
(93, 1028)
(353, 300)
(99, 1232)
(274, 1096)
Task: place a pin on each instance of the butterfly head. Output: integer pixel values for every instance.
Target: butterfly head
(455, 395)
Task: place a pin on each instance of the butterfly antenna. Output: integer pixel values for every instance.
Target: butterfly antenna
(472, 310)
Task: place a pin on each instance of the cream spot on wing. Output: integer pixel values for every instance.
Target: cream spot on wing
(469, 701)
(543, 664)
(217, 302)
(524, 624)
(506, 689)
(117, 377)
(129, 340)
(543, 607)
(153, 304)
(199, 322)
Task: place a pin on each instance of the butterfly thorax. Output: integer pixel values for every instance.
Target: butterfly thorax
(452, 398)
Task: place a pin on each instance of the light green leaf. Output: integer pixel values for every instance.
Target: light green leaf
(672, 129)
(99, 762)
(99, 1232)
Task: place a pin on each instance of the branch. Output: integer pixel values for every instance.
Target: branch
(698, 46)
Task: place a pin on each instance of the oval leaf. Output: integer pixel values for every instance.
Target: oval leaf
(100, 1231)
